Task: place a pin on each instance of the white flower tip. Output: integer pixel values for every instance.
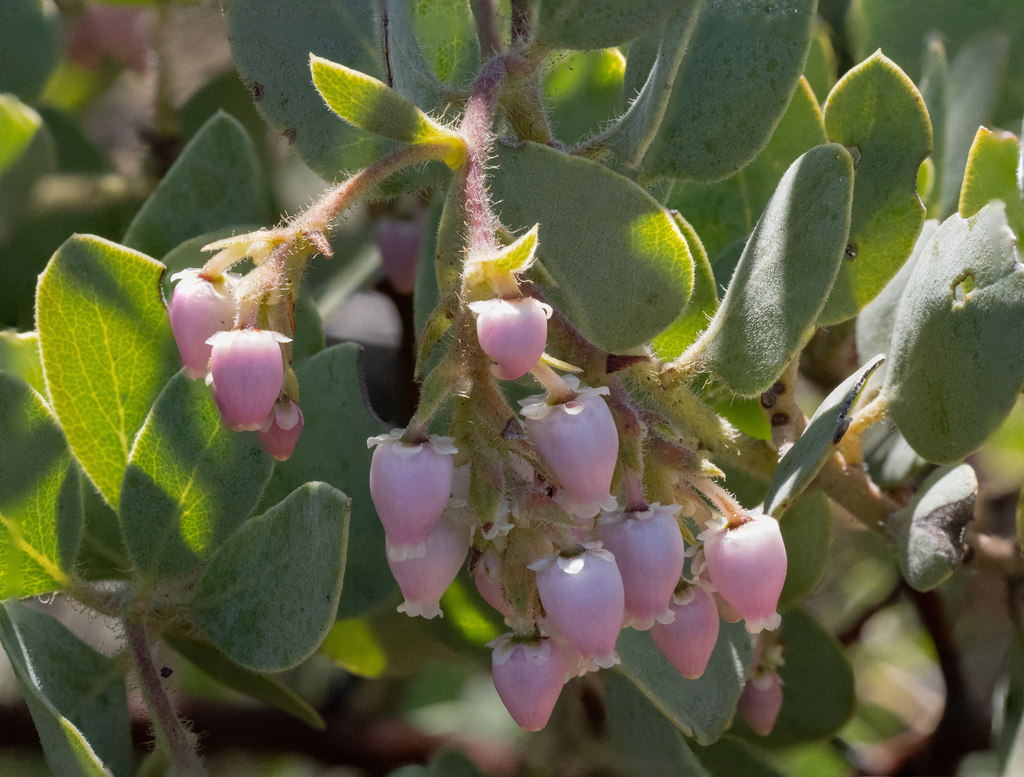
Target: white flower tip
(399, 553)
(757, 625)
(608, 661)
(426, 610)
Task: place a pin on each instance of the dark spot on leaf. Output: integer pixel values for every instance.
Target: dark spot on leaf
(841, 430)
(290, 134)
(780, 419)
(166, 672)
(256, 90)
(850, 252)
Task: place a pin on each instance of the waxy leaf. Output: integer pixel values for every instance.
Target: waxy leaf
(216, 182)
(623, 270)
(40, 495)
(877, 113)
(736, 77)
(929, 531)
(265, 688)
(957, 361)
(190, 482)
(269, 596)
(731, 756)
(992, 175)
(332, 449)
(107, 350)
(18, 125)
(597, 24)
(699, 708)
(76, 696)
(820, 440)
(29, 46)
(19, 355)
(784, 274)
(807, 532)
(372, 105)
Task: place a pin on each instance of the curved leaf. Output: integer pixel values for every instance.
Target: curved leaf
(18, 125)
(596, 24)
(269, 596)
(107, 350)
(19, 355)
(190, 482)
(877, 112)
(784, 274)
(991, 174)
(807, 532)
(582, 92)
(623, 269)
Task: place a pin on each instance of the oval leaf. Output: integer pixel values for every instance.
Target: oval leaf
(190, 482)
(820, 439)
(699, 708)
(18, 125)
(269, 596)
(784, 274)
(107, 350)
(992, 175)
(807, 532)
(623, 270)
(40, 495)
(957, 361)
(76, 696)
(877, 112)
(597, 24)
(930, 529)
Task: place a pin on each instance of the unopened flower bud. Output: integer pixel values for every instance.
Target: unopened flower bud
(280, 432)
(399, 243)
(410, 486)
(761, 702)
(528, 677)
(199, 309)
(424, 579)
(246, 374)
(512, 332)
(649, 552)
(688, 641)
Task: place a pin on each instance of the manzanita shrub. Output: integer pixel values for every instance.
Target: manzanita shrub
(626, 289)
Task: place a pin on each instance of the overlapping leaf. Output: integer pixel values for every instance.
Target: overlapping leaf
(991, 174)
(597, 24)
(807, 532)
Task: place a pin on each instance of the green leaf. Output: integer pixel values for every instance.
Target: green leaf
(519, 255)
(35, 160)
(268, 598)
(411, 75)
(807, 532)
(216, 182)
(372, 105)
(699, 708)
(388, 644)
(29, 46)
(820, 439)
(76, 153)
(877, 113)
(736, 77)
(190, 482)
(596, 24)
(102, 554)
(18, 125)
(991, 174)
(264, 688)
(889, 458)
(731, 756)
(640, 737)
(821, 67)
(582, 91)
(930, 530)
(623, 269)
(703, 302)
(935, 93)
(19, 355)
(107, 350)
(76, 696)
(446, 31)
(725, 212)
(957, 361)
(332, 448)
(40, 495)
(784, 274)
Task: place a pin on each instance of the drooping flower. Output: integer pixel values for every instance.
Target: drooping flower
(528, 676)
(246, 375)
(399, 243)
(199, 309)
(761, 702)
(688, 640)
(280, 432)
(425, 578)
(512, 332)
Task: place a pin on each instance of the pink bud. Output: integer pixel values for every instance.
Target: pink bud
(649, 552)
(424, 580)
(486, 575)
(513, 333)
(583, 597)
(199, 309)
(528, 677)
(761, 701)
(580, 444)
(281, 431)
(690, 638)
(399, 243)
(410, 486)
(247, 374)
(747, 564)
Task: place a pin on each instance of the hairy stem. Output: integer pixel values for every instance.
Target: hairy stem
(486, 27)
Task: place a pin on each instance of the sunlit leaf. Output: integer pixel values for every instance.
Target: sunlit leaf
(18, 125)
(19, 355)
(991, 174)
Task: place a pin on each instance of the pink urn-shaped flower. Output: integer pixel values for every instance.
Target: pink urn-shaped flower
(761, 702)
(424, 579)
(747, 564)
(246, 375)
(580, 443)
(399, 243)
(583, 597)
(649, 552)
(280, 432)
(199, 309)
(512, 332)
(688, 641)
(528, 676)
(410, 486)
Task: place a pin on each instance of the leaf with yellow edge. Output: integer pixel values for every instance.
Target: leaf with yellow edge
(518, 256)
(992, 175)
(372, 105)
(18, 125)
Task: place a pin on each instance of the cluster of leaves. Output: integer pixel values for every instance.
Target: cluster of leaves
(721, 151)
